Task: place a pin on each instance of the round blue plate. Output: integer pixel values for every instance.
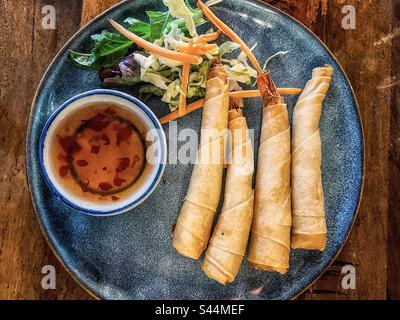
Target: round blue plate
(131, 256)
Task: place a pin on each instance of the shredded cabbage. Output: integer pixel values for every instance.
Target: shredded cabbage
(146, 62)
(278, 54)
(157, 75)
(198, 80)
(152, 76)
(150, 89)
(210, 3)
(178, 9)
(172, 92)
(227, 47)
(240, 71)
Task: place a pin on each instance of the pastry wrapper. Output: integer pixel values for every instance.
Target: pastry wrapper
(196, 217)
(309, 225)
(270, 234)
(228, 243)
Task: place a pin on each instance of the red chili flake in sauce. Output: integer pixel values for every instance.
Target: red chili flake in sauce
(98, 122)
(115, 198)
(62, 157)
(63, 171)
(123, 164)
(116, 126)
(118, 181)
(106, 139)
(109, 110)
(82, 163)
(69, 144)
(123, 133)
(105, 186)
(84, 188)
(135, 159)
(173, 227)
(95, 149)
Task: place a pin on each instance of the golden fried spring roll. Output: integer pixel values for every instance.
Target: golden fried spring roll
(194, 224)
(228, 243)
(309, 226)
(270, 234)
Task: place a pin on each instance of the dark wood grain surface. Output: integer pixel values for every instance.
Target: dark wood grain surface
(370, 56)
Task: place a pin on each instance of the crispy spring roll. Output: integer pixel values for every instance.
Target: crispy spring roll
(228, 243)
(270, 234)
(309, 225)
(194, 224)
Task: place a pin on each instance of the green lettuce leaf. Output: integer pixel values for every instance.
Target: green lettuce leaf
(108, 48)
(158, 22)
(139, 27)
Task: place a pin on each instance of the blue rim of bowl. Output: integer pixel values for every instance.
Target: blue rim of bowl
(149, 114)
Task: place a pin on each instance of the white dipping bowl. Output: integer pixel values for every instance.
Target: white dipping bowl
(157, 158)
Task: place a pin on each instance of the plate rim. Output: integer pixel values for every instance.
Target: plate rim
(333, 258)
(105, 13)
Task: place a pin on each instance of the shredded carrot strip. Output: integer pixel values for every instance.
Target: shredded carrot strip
(230, 33)
(207, 37)
(206, 46)
(289, 90)
(244, 94)
(234, 94)
(256, 93)
(196, 50)
(189, 108)
(159, 51)
(184, 85)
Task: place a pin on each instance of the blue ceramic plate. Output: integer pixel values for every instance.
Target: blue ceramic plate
(131, 256)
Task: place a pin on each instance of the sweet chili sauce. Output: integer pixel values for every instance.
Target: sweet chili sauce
(99, 152)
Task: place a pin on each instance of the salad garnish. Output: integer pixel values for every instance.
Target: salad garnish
(229, 33)
(167, 56)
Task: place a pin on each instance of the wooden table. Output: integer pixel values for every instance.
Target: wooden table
(369, 55)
